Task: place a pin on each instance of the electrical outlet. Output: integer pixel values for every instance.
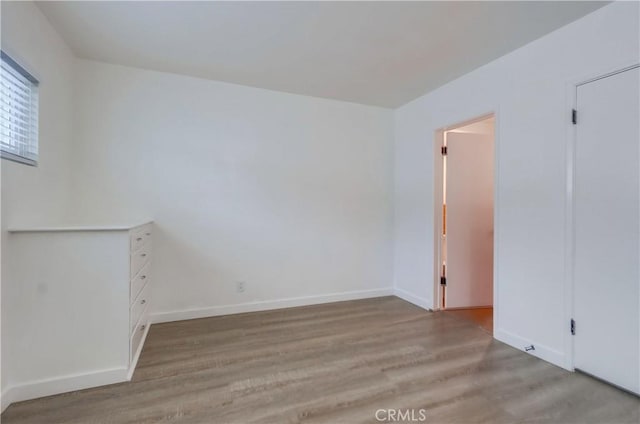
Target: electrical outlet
(240, 286)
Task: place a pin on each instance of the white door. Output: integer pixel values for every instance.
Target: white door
(607, 230)
(469, 185)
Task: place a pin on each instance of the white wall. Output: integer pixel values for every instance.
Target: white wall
(290, 194)
(528, 90)
(35, 194)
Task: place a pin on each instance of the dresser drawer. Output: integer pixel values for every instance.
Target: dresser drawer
(138, 282)
(138, 333)
(139, 305)
(140, 236)
(140, 258)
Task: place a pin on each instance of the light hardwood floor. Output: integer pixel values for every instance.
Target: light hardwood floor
(334, 363)
(482, 317)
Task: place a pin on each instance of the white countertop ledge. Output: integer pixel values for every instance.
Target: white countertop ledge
(76, 228)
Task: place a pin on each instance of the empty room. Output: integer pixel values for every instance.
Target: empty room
(320, 212)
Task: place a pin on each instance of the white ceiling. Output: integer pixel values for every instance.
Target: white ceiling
(378, 53)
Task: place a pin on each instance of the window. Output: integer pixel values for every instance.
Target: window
(18, 113)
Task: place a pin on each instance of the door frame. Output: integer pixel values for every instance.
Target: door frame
(438, 142)
(569, 236)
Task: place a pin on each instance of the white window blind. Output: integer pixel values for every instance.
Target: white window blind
(18, 113)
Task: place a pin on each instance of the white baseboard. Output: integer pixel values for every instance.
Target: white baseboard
(266, 305)
(541, 351)
(418, 301)
(5, 399)
(68, 383)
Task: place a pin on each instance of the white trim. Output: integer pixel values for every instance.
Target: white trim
(64, 384)
(266, 305)
(17, 158)
(438, 138)
(541, 351)
(497, 133)
(611, 71)
(78, 228)
(136, 356)
(5, 399)
(438, 194)
(411, 298)
(567, 289)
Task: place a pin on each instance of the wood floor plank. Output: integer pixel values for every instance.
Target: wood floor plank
(334, 363)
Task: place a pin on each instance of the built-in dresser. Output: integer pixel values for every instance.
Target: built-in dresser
(80, 306)
(140, 288)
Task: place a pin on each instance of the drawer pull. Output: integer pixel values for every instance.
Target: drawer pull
(143, 301)
(143, 255)
(143, 327)
(143, 277)
(139, 239)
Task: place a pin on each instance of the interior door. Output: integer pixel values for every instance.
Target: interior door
(607, 230)
(469, 188)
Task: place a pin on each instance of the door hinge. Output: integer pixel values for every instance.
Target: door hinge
(573, 327)
(443, 150)
(574, 116)
(443, 281)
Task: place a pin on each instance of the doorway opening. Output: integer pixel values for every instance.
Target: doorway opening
(464, 202)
